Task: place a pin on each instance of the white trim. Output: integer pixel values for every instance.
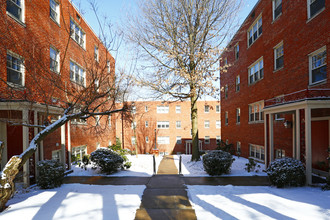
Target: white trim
(308, 145)
(17, 56)
(26, 170)
(273, 10)
(251, 27)
(309, 17)
(310, 64)
(298, 134)
(275, 55)
(207, 124)
(22, 11)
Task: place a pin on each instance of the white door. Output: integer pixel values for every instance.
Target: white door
(188, 147)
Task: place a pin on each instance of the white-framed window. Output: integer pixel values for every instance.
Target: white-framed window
(314, 7)
(78, 120)
(133, 109)
(238, 83)
(178, 109)
(133, 140)
(206, 109)
(108, 66)
(96, 53)
(178, 140)
(318, 66)
(54, 60)
(109, 121)
(56, 155)
(146, 124)
(110, 143)
(54, 10)
(226, 118)
(236, 51)
(279, 153)
(218, 124)
(178, 124)
(238, 115)
(162, 109)
(218, 139)
(254, 31)
(206, 124)
(256, 71)
(163, 140)
(16, 8)
(207, 139)
(133, 124)
(15, 69)
(77, 33)
(217, 109)
(77, 74)
(277, 8)
(238, 147)
(97, 120)
(226, 91)
(255, 112)
(146, 108)
(278, 56)
(79, 152)
(97, 85)
(257, 152)
(147, 139)
(163, 124)
(98, 145)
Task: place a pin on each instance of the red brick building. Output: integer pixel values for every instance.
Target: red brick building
(169, 124)
(275, 98)
(47, 51)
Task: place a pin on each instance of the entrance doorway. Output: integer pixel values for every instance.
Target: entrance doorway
(188, 146)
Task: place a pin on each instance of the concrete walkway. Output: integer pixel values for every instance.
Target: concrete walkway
(165, 196)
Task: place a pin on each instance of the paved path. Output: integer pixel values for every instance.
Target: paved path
(165, 196)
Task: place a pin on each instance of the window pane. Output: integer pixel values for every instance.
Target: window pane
(319, 74)
(316, 6)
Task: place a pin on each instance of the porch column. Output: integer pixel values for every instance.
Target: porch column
(297, 130)
(41, 145)
(294, 131)
(271, 138)
(25, 118)
(69, 144)
(308, 144)
(265, 141)
(36, 131)
(63, 144)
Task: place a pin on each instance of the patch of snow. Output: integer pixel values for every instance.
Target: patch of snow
(190, 168)
(259, 202)
(142, 165)
(76, 201)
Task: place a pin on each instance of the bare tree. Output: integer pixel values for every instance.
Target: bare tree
(182, 41)
(91, 96)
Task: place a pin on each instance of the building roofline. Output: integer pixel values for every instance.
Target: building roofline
(242, 24)
(77, 10)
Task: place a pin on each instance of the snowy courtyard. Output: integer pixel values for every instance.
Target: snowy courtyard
(79, 201)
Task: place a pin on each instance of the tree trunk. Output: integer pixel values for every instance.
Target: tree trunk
(194, 127)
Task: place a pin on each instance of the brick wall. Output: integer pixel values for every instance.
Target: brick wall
(300, 36)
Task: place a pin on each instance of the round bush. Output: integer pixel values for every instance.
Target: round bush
(217, 162)
(107, 160)
(286, 172)
(51, 174)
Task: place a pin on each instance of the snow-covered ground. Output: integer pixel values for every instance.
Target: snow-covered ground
(237, 169)
(259, 202)
(142, 165)
(79, 201)
(76, 201)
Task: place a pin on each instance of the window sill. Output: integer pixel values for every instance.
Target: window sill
(56, 22)
(317, 83)
(56, 72)
(311, 18)
(78, 123)
(253, 42)
(16, 19)
(77, 84)
(276, 18)
(78, 44)
(278, 69)
(238, 123)
(16, 86)
(256, 122)
(257, 159)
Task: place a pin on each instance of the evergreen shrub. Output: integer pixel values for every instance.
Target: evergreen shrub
(217, 162)
(107, 160)
(51, 174)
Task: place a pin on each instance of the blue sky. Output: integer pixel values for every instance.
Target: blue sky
(116, 12)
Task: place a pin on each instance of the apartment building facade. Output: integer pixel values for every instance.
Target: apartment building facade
(48, 51)
(275, 80)
(166, 126)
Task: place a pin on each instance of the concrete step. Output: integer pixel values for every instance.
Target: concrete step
(166, 181)
(165, 214)
(165, 199)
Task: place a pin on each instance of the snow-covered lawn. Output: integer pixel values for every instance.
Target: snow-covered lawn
(259, 202)
(76, 201)
(142, 165)
(196, 168)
